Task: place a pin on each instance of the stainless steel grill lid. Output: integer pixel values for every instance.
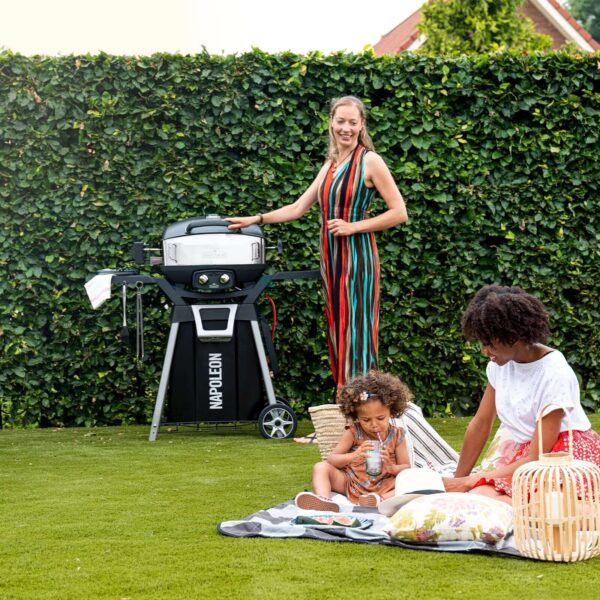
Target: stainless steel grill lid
(204, 253)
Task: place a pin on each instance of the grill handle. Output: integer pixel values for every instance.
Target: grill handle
(278, 247)
(137, 251)
(203, 223)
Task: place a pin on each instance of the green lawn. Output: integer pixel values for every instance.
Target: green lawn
(104, 513)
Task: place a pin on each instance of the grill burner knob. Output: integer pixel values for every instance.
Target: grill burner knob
(213, 280)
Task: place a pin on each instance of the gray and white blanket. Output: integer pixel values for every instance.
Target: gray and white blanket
(280, 522)
(426, 449)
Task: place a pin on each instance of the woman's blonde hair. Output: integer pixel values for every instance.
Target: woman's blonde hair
(363, 137)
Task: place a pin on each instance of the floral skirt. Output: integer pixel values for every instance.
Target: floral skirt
(504, 451)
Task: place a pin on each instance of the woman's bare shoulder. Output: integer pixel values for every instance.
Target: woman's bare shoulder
(323, 170)
(326, 165)
(373, 159)
(375, 168)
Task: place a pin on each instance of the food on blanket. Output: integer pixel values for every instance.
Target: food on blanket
(339, 520)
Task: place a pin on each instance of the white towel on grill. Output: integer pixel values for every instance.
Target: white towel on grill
(98, 289)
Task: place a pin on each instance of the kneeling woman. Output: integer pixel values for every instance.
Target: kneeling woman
(524, 375)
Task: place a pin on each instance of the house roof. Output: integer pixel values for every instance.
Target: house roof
(569, 20)
(402, 37)
(406, 36)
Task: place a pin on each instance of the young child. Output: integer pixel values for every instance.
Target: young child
(369, 401)
(524, 375)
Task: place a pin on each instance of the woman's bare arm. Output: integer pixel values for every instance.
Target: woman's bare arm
(290, 212)
(377, 175)
(476, 435)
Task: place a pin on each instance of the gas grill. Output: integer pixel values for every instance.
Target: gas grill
(206, 255)
(220, 354)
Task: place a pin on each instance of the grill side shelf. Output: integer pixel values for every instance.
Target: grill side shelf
(174, 294)
(181, 297)
(265, 280)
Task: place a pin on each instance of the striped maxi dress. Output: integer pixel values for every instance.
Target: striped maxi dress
(350, 272)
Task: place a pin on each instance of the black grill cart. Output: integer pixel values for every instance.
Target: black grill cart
(220, 355)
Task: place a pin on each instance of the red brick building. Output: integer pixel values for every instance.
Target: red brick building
(548, 16)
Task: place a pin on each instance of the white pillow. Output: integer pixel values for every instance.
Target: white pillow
(428, 448)
(451, 516)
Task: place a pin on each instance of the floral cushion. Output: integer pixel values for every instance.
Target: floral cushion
(451, 516)
(500, 452)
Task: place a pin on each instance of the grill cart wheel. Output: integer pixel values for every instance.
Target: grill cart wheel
(277, 421)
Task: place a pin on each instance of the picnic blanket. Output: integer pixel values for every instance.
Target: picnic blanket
(281, 521)
(427, 448)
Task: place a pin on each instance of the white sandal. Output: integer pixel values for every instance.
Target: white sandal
(369, 500)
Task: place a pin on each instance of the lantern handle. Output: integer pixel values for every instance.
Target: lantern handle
(546, 410)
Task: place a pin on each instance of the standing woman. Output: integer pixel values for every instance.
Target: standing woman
(344, 188)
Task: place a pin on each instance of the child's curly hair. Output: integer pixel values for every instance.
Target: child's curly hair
(375, 385)
(506, 315)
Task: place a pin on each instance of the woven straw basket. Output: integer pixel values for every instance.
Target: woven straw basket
(329, 423)
(556, 504)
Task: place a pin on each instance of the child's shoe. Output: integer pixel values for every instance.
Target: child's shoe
(371, 500)
(310, 501)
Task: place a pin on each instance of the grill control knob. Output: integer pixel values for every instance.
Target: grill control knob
(224, 278)
(203, 279)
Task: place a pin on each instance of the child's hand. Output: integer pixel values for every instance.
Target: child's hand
(367, 445)
(389, 462)
(359, 455)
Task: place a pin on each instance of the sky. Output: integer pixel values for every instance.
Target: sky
(59, 27)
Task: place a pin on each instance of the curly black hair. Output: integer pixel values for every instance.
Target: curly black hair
(375, 385)
(506, 315)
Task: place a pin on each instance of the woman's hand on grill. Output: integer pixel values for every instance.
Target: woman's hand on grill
(241, 222)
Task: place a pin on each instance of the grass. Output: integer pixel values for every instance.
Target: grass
(103, 513)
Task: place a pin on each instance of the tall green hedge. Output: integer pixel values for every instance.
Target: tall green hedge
(497, 158)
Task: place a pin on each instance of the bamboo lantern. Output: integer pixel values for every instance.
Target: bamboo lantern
(556, 504)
